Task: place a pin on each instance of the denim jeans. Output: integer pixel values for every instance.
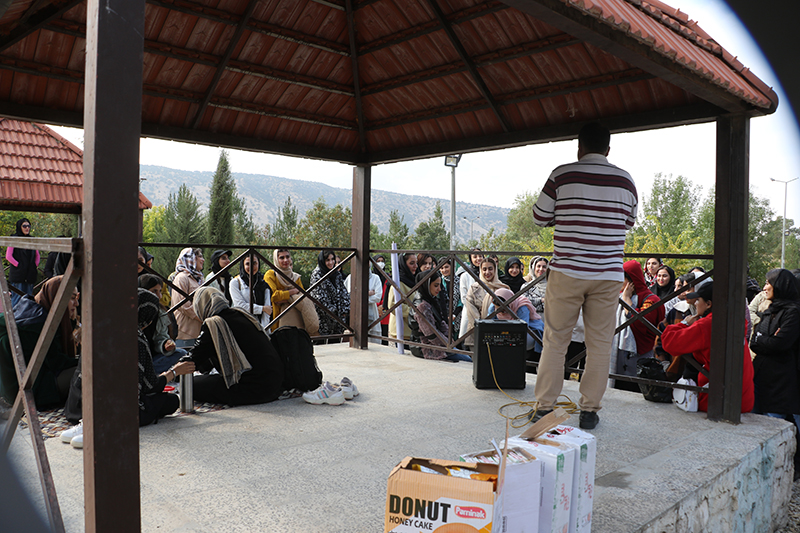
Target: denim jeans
(162, 363)
(27, 288)
(458, 357)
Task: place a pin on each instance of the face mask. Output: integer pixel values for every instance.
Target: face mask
(381, 264)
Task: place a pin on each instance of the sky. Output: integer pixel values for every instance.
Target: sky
(498, 177)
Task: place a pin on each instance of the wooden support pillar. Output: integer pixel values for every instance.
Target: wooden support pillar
(359, 282)
(730, 267)
(112, 122)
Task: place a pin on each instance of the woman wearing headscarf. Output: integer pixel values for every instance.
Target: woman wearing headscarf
(512, 275)
(465, 281)
(240, 291)
(374, 296)
(303, 315)
(477, 300)
(52, 384)
(331, 293)
(232, 341)
(22, 271)
(428, 305)
(162, 347)
(408, 270)
(154, 403)
(189, 268)
(650, 269)
(219, 260)
(524, 310)
(663, 285)
(776, 342)
(636, 341)
(535, 294)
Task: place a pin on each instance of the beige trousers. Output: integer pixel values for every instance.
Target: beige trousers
(563, 301)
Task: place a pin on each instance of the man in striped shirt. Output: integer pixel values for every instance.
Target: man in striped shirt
(591, 203)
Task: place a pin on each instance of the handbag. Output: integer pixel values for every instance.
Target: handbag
(685, 399)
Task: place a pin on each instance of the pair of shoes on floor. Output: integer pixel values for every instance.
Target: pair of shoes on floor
(332, 393)
(589, 419)
(74, 435)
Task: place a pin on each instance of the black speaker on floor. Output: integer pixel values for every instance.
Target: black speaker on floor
(505, 341)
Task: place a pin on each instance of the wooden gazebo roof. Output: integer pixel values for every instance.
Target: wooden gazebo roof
(374, 81)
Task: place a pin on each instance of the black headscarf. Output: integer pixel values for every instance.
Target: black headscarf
(224, 279)
(784, 286)
(514, 282)
(260, 287)
(18, 232)
(323, 255)
(148, 309)
(406, 276)
(658, 290)
(425, 294)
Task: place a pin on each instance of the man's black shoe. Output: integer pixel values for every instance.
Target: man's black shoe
(589, 419)
(539, 415)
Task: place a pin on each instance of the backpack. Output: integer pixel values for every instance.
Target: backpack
(297, 353)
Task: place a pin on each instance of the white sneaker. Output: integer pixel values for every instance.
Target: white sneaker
(77, 441)
(69, 434)
(325, 393)
(349, 388)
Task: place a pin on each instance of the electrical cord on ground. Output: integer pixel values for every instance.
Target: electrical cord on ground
(569, 406)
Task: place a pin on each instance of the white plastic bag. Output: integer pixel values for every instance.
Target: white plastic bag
(685, 399)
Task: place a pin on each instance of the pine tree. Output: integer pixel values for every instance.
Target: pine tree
(184, 223)
(286, 223)
(398, 230)
(224, 204)
(432, 234)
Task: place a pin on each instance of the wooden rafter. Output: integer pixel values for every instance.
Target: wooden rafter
(351, 33)
(473, 70)
(35, 21)
(232, 44)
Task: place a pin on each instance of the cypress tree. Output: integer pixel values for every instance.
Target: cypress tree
(223, 203)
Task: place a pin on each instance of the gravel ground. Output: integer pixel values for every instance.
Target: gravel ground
(794, 511)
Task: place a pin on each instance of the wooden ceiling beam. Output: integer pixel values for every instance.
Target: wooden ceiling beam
(223, 62)
(625, 47)
(473, 70)
(351, 33)
(35, 21)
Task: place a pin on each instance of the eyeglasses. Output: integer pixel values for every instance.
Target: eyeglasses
(26, 225)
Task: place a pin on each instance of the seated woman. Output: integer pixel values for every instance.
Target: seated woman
(219, 260)
(776, 342)
(428, 305)
(408, 269)
(154, 403)
(331, 293)
(678, 339)
(52, 384)
(524, 310)
(189, 276)
(162, 347)
(240, 291)
(636, 341)
(303, 315)
(477, 300)
(513, 274)
(233, 342)
(535, 294)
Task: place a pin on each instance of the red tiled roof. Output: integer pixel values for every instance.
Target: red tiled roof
(390, 79)
(41, 170)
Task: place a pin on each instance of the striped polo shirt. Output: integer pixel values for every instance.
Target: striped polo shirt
(591, 204)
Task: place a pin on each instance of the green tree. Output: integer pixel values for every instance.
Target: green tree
(286, 224)
(520, 226)
(184, 222)
(322, 226)
(246, 230)
(671, 203)
(398, 230)
(220, 220)
(432, 233)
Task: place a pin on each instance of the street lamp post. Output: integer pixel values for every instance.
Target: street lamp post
(471, 222)
(452, 162)
(783, 233)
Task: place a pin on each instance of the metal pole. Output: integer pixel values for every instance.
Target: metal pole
(453, 208)
(783, 231)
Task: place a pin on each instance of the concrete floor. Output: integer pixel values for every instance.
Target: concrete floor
(293, 467)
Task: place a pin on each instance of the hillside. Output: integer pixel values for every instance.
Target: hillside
(264, 195)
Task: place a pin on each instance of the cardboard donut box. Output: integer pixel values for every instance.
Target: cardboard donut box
(550, 491)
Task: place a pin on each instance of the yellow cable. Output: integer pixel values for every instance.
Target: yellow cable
(569, 406)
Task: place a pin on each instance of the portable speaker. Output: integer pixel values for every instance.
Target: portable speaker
(505, 340)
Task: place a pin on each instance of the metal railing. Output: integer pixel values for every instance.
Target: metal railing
(450, 344)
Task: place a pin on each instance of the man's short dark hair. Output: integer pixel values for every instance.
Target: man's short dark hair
(594, 138)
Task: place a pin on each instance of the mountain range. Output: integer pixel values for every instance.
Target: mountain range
(264, 195)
